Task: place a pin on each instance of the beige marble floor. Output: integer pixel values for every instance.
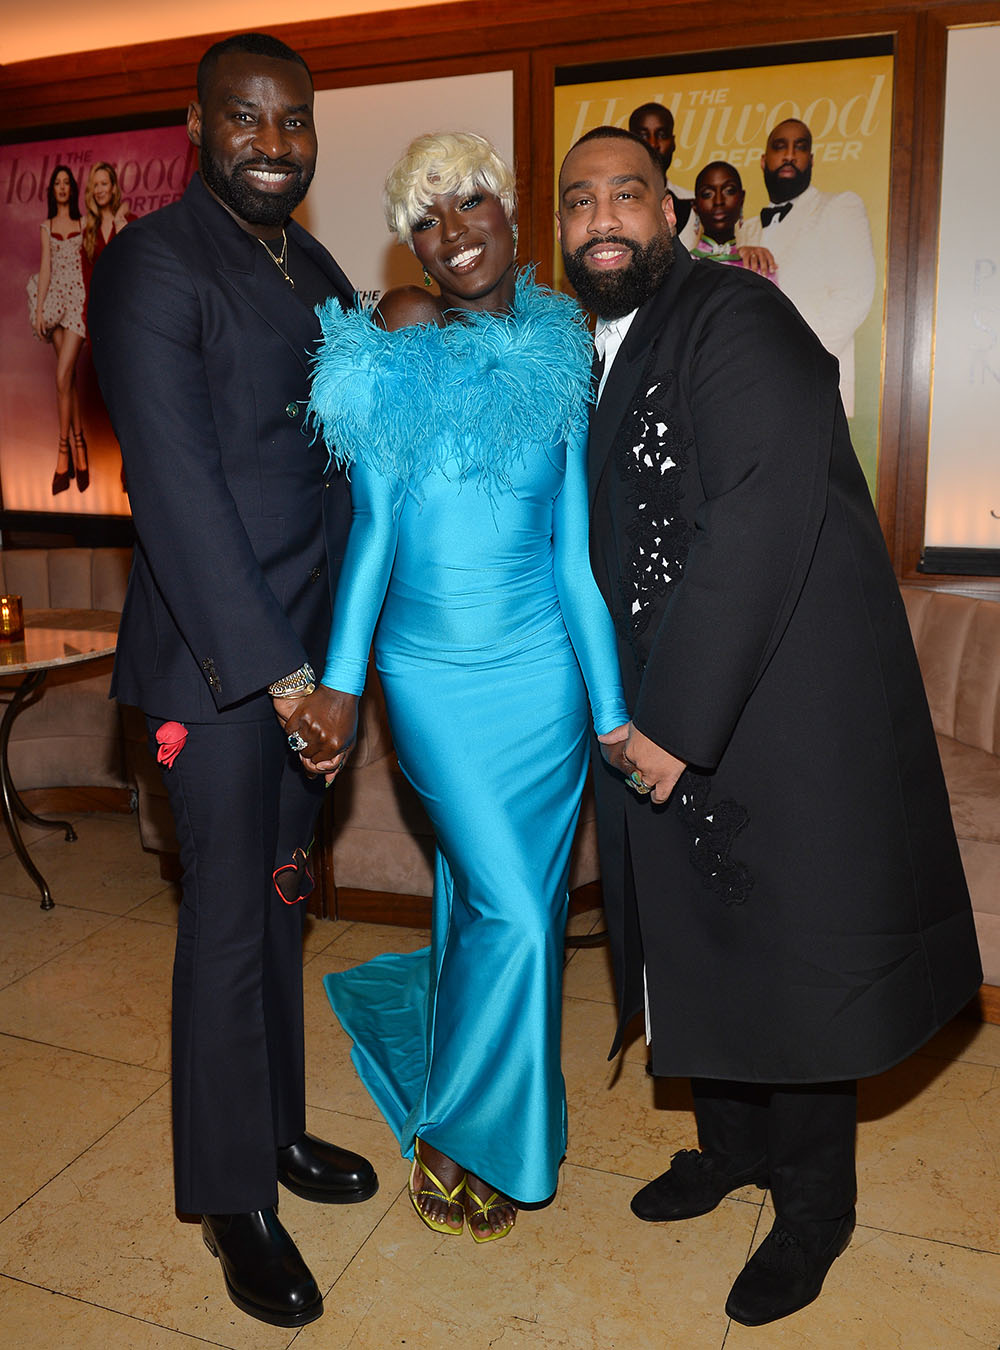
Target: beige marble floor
(92, 1258)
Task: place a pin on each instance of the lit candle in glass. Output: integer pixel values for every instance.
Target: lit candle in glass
(11, 618)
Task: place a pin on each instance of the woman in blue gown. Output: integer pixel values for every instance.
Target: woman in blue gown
(462, 420)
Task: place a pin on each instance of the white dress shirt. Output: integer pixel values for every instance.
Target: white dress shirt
(608, 337)
(609, 334)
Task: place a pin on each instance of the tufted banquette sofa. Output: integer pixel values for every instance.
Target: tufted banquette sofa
(68, 735)
(382, 842)
(377, 855)
(957, 638)
(379, 841)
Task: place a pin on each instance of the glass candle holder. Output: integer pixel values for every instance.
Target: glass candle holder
(11, 618)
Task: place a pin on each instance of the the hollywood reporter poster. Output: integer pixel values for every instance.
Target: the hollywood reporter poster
(152, 167)
(726, 114)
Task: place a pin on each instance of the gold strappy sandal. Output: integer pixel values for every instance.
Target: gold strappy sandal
(437, 1190)
(480, 1210)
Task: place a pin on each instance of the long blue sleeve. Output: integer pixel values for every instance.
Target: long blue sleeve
(364, 578)
(447, 428)
(585, 614)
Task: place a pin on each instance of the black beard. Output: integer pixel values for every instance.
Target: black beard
(247, 202)
(784, 189)
(612, 295)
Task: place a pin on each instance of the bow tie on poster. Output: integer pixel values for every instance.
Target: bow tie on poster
(768, 213)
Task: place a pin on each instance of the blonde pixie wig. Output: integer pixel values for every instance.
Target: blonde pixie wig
(443, 162)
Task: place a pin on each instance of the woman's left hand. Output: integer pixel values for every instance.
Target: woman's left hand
(658, 769)
(613, 746)
(757, 259)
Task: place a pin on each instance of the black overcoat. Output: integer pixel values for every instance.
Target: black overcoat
(799, 903)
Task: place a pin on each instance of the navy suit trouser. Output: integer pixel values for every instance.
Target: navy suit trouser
(242, 805)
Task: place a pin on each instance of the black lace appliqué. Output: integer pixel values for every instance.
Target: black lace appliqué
(714, 827)
(651, 455)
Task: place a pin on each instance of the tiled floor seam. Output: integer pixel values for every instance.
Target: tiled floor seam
(83, 1152)
(85, 1054)
(924, 1237)
(116, 1312)
(350, 1115)
(365, 1241)
(63, 951)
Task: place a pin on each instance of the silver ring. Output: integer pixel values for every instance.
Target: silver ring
(636, 783)
(297, 742)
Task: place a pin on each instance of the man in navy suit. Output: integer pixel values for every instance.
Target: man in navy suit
(202, 324)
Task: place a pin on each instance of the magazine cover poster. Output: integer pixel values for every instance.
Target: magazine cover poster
(47, 383)
(726, 115)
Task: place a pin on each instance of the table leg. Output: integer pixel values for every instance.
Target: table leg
(13, 807)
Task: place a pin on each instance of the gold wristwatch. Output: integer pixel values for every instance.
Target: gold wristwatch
(296, 685)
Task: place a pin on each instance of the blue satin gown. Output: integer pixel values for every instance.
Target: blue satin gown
(468, 550)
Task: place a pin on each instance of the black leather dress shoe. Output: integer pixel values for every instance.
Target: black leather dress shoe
(694, 1184)
(264, 1273)
(319, 1171)
(787, 1270)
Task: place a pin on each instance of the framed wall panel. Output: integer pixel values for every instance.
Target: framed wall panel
(102, 90)
(363, 123)
(703, 42)
(724, 106)
(962, 516)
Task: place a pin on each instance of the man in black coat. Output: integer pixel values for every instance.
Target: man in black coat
(202, 322)
(780, 872)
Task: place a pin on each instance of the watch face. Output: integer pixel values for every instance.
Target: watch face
(301, 681)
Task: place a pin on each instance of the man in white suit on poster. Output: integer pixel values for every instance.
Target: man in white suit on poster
(822, 246)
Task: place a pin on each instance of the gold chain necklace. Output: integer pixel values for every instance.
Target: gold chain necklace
(280, 258)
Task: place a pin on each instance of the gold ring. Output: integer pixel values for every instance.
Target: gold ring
(635, 782)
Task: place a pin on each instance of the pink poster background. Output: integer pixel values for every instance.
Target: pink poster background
(153, 167)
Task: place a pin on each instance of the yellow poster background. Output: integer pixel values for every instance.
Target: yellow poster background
(727, 114)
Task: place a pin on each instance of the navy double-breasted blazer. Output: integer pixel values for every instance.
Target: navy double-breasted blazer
(203, 350)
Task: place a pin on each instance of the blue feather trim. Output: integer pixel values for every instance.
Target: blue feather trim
(477, 393)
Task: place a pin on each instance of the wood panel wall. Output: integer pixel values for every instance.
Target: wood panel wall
(93, 90)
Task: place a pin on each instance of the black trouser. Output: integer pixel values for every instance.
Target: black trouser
(241, 804)
(802, 1136)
